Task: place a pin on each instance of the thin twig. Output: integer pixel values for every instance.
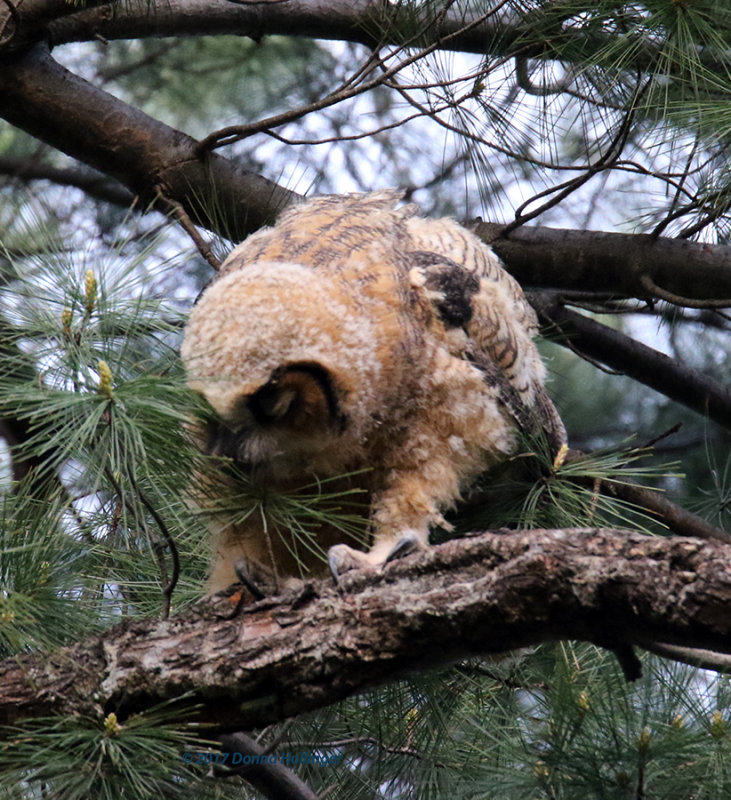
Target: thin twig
(170, 585)
(235, 133)
(696, 657)
(182, 216)
(677, 299)
(604, 162)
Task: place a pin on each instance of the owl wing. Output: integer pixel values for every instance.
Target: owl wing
(484, 318)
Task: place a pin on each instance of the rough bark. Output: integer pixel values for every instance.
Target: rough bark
(489, 593)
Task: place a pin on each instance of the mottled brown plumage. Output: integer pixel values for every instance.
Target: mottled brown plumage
(352, 335)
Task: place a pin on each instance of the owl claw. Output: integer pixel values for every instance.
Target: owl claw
(405, 545)
(242, 573)
(341, 558)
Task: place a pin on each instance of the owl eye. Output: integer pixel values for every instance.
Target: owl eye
(272, 402)
(300, 396)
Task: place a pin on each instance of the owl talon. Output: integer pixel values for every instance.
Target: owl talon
(242, 574)
(333, 564)
(341, 559)
(408, 543)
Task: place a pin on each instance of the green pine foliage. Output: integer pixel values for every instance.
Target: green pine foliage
(558, 721)
(93, 526)
(534, 492)
(293, 517)
(77, 758)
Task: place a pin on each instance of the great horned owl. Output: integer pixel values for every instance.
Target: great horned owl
(355, 334)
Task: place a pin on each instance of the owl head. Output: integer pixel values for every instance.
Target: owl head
(283, 362)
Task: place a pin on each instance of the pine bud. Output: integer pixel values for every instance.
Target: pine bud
(583, 701)
(90, 292)
(105, 379)
(563, 451)
(66, 317)
(718, 729)
(643, 741)
(111, 725)
(540, 770)
(45, 572)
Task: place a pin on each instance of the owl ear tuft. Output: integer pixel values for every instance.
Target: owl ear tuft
(300, 396)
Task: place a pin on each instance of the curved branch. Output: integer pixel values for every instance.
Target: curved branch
(618, 351)
(488, 593)
(41, 97)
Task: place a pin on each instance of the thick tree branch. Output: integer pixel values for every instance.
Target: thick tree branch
(144, 155)
(22, 23)
(38, 95)
(92, 182)
(611, 262)
(485, 594)
(656, 370)
(535, 34)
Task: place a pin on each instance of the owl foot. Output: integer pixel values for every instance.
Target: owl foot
(242, 573)
(409, 542)
(341, 558)
(238, 598)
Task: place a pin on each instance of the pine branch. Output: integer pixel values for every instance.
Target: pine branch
(145, 156)
(94, 183)
(367, 22)
(489, 593)
(620, 352)
(272, 780)
(602, 262)
(58, 107)
(24, 23)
